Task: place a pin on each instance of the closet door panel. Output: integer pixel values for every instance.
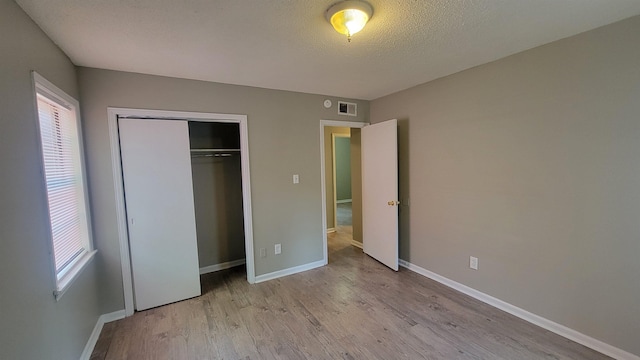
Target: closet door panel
(156, 167)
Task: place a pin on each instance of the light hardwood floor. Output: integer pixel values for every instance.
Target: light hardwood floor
(354, 308)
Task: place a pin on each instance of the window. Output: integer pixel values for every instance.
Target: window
(61, 144)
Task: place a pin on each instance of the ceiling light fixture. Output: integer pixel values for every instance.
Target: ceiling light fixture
(348, 17)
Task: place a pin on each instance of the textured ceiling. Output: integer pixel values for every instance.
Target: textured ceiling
(288, 44)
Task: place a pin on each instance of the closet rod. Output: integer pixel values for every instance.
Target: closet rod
(213, 150)
(211, 155)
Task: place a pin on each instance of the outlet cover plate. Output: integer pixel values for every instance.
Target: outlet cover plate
(473, 262)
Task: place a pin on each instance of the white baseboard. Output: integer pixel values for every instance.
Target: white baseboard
(218, 267)
(95, 334)
(544, 323)
(289, 271)
(357, 244)
(343, 201)
(331, 230)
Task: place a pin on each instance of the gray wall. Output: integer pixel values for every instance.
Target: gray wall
(328, 171)
(343, 168)
(34, 325)
(217, 192)
(284, 139)
(532, 164)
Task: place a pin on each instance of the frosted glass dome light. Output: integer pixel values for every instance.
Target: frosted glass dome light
(349, 17)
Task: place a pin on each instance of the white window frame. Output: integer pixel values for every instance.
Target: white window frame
(65, 277)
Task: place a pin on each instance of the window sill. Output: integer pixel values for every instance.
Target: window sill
(65, 283)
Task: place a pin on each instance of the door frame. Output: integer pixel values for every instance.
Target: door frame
(113, 114)
(323, 124)
(335, 185)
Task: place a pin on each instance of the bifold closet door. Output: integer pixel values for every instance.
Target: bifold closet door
(156, 166)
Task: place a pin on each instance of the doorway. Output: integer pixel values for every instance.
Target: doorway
(341, 178)
(342, 194)
(114, 114)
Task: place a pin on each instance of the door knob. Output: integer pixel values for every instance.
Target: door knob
(391, 203)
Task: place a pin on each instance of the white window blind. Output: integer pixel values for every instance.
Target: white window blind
(64, 178)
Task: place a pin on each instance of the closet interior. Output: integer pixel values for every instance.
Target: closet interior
(217, 191)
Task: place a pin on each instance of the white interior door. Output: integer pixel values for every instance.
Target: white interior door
(380, 192)
(156, 167)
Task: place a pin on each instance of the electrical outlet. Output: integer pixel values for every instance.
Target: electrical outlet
(263, 252)
(473, 262)
(278, 249)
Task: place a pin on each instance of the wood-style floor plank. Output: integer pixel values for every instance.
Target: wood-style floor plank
(354, 308)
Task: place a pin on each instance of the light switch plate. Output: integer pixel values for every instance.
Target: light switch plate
(296, 179)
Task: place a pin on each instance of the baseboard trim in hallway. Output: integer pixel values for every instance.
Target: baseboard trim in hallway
(356, 244)
(544, 323)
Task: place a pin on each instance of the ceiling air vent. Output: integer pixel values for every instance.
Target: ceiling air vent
(346, 108)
